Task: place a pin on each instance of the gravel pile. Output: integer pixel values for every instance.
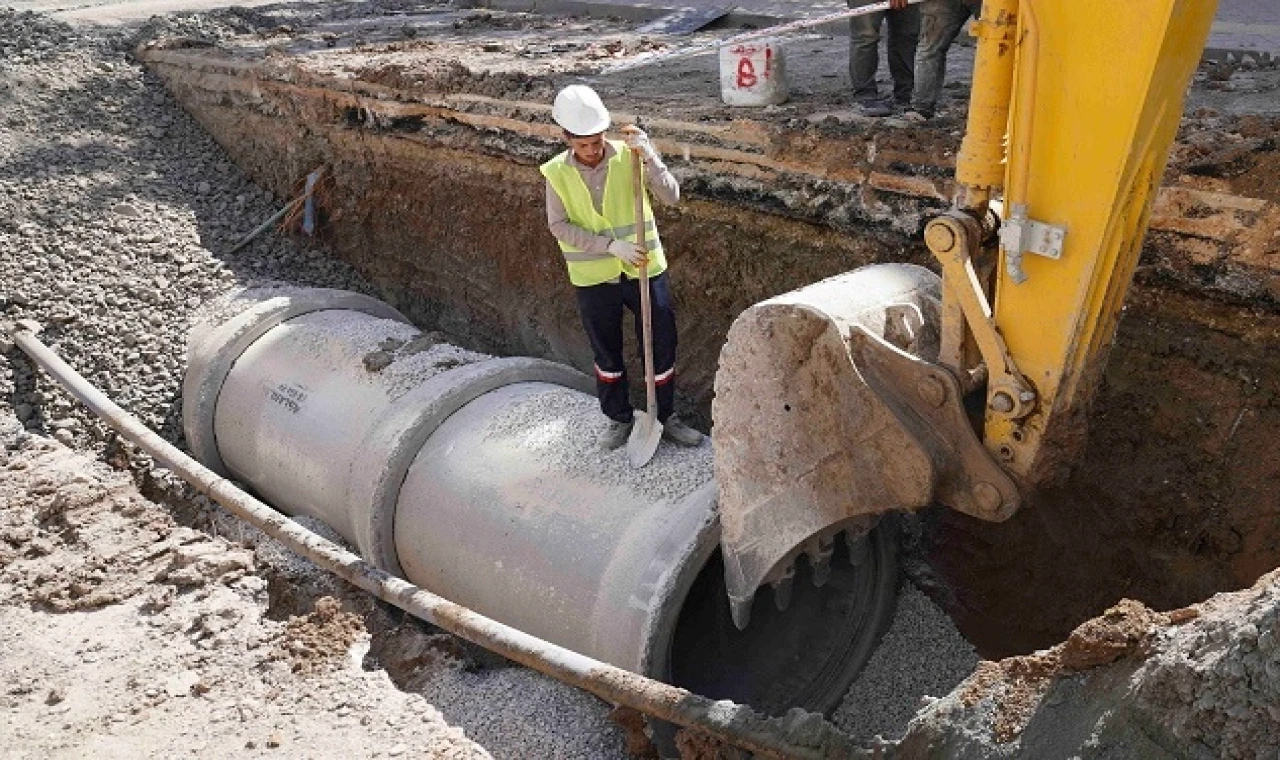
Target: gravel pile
(922, 655)
(211, 27)
(112, 204)
(27, 38)
(562, 426)
(495, 705)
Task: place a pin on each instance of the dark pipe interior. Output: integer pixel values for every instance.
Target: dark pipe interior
(805, 656)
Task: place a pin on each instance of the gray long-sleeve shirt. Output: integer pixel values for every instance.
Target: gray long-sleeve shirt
(658, 178)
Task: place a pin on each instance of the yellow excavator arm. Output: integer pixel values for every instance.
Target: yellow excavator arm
(854, 397)
(1090, 93)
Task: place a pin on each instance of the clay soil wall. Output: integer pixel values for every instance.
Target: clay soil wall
(1177, 492)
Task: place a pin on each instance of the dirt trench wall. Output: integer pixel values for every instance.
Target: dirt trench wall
(1176, 495)
(1177, 492)
(470, 253)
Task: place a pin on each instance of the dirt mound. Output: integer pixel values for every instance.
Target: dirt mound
(316, 641)
(450, 76)
(1016, 685)
(1198, 682)
(1243, 153)
(1119, 631)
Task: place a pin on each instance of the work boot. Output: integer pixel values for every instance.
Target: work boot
(615, 435)
(679, 433)
(874, 108)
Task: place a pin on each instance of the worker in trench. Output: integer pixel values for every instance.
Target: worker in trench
(591, 213)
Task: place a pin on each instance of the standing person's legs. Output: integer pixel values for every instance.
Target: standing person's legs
(940, 24)
(601, 308)
(864, 53)
(663, 320)
(904, 35)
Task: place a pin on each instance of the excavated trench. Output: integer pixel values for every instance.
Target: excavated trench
(432, 193)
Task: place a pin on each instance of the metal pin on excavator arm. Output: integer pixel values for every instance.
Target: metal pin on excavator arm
(844, 400)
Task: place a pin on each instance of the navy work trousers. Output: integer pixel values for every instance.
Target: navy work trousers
(602, 308)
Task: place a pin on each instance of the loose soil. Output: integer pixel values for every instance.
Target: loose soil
(129, 634)
(1191, 683)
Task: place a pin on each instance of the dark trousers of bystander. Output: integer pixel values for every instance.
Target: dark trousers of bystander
(940, 24)
(602, 308)
(864, 51)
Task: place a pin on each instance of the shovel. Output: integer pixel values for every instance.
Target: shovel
(646, 431)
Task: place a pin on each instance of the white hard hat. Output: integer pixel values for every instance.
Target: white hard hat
(579, 110)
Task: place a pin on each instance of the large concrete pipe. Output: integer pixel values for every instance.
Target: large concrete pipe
(478, 478)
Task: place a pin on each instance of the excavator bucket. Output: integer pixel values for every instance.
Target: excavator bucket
(829, 413)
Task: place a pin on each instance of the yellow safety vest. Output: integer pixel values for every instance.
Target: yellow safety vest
(616, 219)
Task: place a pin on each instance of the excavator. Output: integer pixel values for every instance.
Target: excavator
(885, 390)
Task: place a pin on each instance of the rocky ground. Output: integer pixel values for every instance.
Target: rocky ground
(1198, 682)
(136, 618)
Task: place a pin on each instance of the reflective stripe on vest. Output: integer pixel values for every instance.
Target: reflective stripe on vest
(615, 220)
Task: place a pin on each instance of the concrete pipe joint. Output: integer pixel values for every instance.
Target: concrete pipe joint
(478, 478)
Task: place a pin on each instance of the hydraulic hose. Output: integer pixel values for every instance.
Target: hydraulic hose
(798, 735)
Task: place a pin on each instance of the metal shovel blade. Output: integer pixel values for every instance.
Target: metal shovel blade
(646, 432)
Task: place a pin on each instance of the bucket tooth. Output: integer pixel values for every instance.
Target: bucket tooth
(857, 548)
(740, 610)
(782, 592)
(822, 571)
(820, 561)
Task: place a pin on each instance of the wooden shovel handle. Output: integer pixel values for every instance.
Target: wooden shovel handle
(646, 313)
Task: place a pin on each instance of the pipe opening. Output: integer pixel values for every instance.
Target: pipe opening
(805, 656)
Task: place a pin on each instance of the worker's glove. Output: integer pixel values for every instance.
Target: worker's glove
(631, 253)
(637, 140)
